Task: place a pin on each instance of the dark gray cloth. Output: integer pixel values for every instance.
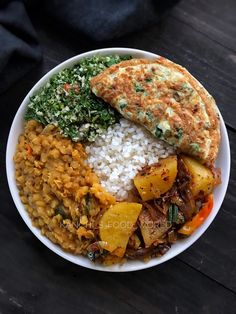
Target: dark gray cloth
(99, 20)
(106, 19)
(19, 49)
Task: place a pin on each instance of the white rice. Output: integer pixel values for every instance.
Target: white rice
(117, 155)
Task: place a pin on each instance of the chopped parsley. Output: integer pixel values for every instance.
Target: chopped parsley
(149, 115)
(67, 101)
(138, 88)
(180, 134)
(122, 106)
(195, 147)
(158, 132)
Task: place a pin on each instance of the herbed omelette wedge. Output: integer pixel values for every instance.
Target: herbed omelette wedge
(166, 99)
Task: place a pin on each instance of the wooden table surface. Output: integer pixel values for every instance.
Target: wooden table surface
(200, 35)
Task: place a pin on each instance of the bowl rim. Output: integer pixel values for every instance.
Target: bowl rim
(77, 259)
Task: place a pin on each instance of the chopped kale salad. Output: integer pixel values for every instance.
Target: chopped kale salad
(67, 102)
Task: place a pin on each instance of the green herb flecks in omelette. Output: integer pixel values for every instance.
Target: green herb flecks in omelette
(67, 101)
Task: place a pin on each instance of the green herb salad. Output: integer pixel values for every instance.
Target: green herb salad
(67, 102)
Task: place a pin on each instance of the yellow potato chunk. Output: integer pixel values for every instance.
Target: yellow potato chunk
(116, 226)
(157, 179)
(202, 179)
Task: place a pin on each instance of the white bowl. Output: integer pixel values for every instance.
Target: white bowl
(223, 161)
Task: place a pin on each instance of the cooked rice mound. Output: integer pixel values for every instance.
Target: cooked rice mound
(118, 154)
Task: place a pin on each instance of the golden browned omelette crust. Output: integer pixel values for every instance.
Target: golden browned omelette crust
(166, 99)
